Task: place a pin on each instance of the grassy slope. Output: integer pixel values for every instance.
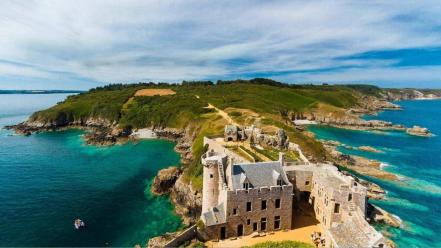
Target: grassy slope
(105, 103)
(186, 108)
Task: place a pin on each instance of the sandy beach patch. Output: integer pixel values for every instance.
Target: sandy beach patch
(155, 92)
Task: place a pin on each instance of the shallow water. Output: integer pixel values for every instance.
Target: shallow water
(49, 179)
(416, 199)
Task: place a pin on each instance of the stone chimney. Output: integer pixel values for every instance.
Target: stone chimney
(282, 158)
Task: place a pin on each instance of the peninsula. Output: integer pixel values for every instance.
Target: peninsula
(242, 125)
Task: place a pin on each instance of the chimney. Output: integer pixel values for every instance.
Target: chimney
(282, 158)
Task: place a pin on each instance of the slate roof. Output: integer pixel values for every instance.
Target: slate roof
(215, 216)
(230, 128)
(264, 174)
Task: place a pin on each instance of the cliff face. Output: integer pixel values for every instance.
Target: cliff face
(188, 202)
(411, 94)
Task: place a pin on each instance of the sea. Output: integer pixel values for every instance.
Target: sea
(416, 197)
(50, 179)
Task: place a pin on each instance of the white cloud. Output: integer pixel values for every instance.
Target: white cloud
(114, 41)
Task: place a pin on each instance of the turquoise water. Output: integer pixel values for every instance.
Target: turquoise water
(49, 179)
(416, 199)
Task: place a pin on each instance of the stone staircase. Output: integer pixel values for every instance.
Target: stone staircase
(221, 173)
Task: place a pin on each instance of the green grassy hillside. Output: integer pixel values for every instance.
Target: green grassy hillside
(175, 110)
(188, 108)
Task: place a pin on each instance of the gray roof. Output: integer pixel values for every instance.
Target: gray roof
(264, 174)
(230, 128)
(215, 216)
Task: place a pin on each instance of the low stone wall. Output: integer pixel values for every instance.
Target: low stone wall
(189, 234)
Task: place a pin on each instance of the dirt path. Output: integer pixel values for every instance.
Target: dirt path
(223, 114)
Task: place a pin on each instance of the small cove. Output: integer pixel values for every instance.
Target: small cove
(49, 179)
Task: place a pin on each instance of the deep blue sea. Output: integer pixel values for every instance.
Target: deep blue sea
(416, 198)
(49, 179)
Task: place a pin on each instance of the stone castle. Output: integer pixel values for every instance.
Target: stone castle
(242, 198)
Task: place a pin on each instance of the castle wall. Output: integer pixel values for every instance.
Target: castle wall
(249, 219)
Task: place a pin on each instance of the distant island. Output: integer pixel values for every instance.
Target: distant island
(193, 113)
(39, 91)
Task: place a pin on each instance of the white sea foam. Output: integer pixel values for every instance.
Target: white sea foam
(383, 165)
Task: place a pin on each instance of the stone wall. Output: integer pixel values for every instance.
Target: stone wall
(238, 200)
(189, 234)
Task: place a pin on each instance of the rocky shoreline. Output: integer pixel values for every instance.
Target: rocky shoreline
(187, 202)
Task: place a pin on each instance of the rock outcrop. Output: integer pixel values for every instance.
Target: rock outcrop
(165, 180)
(419, 131)
(379, 215)
(356, 163)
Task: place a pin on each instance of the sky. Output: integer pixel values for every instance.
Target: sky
(82, 44)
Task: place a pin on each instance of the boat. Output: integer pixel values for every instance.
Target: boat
(78, 223)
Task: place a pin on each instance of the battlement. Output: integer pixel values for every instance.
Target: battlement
(211, 157)
(255, 192)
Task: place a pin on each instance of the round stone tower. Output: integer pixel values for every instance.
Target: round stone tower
(210, 188)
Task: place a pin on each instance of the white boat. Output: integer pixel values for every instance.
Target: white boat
(78, 223)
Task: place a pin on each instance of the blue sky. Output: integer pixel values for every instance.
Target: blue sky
(82, 44)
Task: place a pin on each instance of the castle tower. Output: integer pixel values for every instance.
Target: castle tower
(210, 188)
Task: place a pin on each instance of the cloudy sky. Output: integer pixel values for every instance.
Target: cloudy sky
(81, 44)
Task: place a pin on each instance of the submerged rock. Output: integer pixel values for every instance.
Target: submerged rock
(369, 149)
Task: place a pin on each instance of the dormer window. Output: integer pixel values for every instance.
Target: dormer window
(279, 182)
(246, 186)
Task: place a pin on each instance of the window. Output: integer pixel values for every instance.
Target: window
(254, 226)
(263, 224)
(349, 197)
(279, 182)
(246, 186)
(276, 222)
(248, 206)
(263, 204)
(337, 208)
(277, 203)
(234, 211)
(306, 182)
(248, 222)
(211, 175)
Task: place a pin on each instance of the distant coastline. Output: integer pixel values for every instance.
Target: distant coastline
(40, 91)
